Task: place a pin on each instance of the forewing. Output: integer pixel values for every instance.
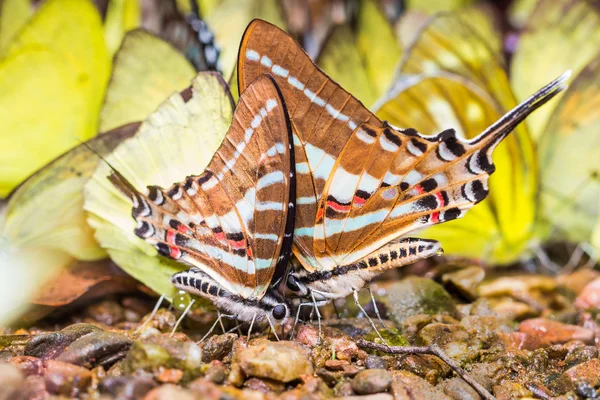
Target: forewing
(408, 181)
(323, 116)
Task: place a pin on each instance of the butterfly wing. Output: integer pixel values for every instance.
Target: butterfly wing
(230, 221)
(323, 117)
(573, 28)
(146, 70)
(406, 182)
(569, 157)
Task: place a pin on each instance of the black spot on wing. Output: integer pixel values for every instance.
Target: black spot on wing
(173, 191)
(163, 249)
(235, 236)
(422, 147)
(205, 177)
(404, 186)
(145, 230)
(454, 146)
(181, 240)
(428, 202)
(451, 213)
(369, 131)
(173, 223)
(429, 184)
(362, 194)
(153, 195)
(389, 135)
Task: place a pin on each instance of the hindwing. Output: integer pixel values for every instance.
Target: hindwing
(235, 220)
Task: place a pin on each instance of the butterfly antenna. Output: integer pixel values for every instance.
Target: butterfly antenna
(116, 178)
(511, 119)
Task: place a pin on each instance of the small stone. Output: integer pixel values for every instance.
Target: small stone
(169, 375)
(11, 378)
(549, 332)
(106, 312)
(464, 281)
(217, 347)
(577, 280)
(264, 385)
(157, 351)
(49, 345)
(509, 309)
(343, 388)
(34, 387)
(581, 354)
(372, 381)
(96, 348)
(169, 392)
(66, 379)
(377, 396)
(28, 365)
(516, 285)
(127, 388)
(205, 389)
(414, 295)
(281, 361)
(216, 372)
(587, 372)
(407, 386)
(590, 296)
(375, 362)
(454, 339)
(336, 365)
(458, 389)
(509, 390)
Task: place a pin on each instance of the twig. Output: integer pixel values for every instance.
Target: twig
(432, 350)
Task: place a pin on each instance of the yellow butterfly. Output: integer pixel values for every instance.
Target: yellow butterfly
(452, 77)
(52, 78)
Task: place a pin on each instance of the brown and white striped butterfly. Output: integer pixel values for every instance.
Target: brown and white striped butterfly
(362, 184)
(233, 223)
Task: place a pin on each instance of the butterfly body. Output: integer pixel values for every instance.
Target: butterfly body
(342, 280)
(271, 305)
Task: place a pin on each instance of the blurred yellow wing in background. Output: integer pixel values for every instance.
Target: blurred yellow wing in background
(146, 71)
(52, 80)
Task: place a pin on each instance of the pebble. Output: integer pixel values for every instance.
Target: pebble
(169, 392)
(156, 351)
(169, 375)
(96, 348)
(547, 332)
(345, 347)
(374, 362)
(217, 347)
(378, 396)
(28, 365)
(47, 346)
(415, 295)
(464, 281)
(372, 381)
(66, 379)
(408, 386)
(516, 285)
(281, 361)
(34, 387)
(587, 372)
(589, 298)
(127, 387)
(11, 378)
(106, 312)
(216, 372)
(458, 389)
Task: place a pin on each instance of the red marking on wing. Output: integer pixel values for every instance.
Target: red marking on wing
(419, 189)
(175, 252)
(338, 207)
(220, 236)
(237, 244)
(320, 214)
(435, 217)
(171, 236)
(183, 229)
(359, 200)
(249, 253)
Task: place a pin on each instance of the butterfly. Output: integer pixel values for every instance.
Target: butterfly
(362, 184)
(233, 224)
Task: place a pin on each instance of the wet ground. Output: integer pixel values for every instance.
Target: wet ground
(512, 336)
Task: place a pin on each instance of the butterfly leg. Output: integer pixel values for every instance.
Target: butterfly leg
(377, 311)
(337, 313)
(187, 309)
(251, 325)
(297, 318)
(316, 309)
(355, 295)
(273, 328)
(221, 321)
(212, 328)
(152, 314)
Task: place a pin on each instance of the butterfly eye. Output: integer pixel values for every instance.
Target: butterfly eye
(279, 312)
(292, 284)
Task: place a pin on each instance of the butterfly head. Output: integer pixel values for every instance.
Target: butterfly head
(275, 308)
